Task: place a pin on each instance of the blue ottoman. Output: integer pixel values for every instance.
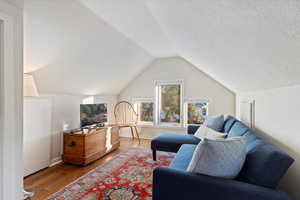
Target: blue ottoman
(171, 142)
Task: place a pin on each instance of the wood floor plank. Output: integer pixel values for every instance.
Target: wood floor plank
(51, 180)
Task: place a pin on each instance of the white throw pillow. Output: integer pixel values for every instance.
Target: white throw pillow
(222, 158)
(205, 132)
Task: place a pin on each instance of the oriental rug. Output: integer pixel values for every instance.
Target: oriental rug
(128, 176)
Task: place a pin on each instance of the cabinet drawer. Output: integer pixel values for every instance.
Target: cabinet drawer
(82, 149)
(95, 143)
(73, 145)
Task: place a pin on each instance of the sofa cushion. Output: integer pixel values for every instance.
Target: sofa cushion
(171, 142)
(205, 132)
(252, 140)
(183, 157)
(254, 144)
(250, 136)
(265, 165)
(238, 129)
(192, 129)
(228, 123)
(215, 122)
(222, 158)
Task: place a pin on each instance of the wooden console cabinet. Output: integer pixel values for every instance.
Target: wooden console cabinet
(82, 149)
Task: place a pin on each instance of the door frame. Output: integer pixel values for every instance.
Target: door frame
(11, 101)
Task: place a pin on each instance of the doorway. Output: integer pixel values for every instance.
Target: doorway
(1, 98)
(11, 71)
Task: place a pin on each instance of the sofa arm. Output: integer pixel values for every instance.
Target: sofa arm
(191, 129)
(174, 184)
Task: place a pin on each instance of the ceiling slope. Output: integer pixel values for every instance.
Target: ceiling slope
(246, 45)
(72, 51)
(133, 19)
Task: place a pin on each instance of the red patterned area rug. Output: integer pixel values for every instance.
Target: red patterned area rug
(128, 176)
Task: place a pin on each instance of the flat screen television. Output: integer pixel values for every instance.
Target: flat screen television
(92, 114)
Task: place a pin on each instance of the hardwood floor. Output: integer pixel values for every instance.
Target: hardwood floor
(51, 180)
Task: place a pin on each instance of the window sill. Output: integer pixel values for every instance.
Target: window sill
(162, 127)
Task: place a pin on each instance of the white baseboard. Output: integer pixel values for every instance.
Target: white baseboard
(55, 161)
(150, 133)
(141, 137)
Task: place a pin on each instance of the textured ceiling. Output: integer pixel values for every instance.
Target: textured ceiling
(18, 3)
(246, 45)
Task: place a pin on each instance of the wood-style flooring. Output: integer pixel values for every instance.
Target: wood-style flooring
(51, 180)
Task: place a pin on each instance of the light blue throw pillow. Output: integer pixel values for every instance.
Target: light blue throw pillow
(222, 158)
(214, 122)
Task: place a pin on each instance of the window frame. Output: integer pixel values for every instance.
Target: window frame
(137, 102)
(158, 84)
(193, 100)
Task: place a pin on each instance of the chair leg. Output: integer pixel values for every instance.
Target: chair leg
(154, 154)
(137, 134)
(132, 132)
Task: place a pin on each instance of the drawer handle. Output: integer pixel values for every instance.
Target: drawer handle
(72, 144)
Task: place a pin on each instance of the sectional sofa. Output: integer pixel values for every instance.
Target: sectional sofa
(265, 165)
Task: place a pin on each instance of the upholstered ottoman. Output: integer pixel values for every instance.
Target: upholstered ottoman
(171, 142)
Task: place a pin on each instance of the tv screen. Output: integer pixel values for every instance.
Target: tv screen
(93, 113)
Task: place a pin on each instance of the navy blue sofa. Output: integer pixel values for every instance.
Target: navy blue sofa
(264, 167)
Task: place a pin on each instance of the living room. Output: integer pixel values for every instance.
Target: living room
(149, 99)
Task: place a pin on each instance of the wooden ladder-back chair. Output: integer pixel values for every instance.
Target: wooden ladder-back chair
(126, 117)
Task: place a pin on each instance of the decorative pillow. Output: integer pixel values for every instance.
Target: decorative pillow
(238, 129)
(265, 165)
(205, 132)
(228, 123)
(214, 122)
(222, 158)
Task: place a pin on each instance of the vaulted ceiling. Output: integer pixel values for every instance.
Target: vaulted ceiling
(98, 46)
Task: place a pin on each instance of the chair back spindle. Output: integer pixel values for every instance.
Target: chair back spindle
(125, 114)
(126, 117)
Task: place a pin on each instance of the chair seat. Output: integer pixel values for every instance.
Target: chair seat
(172, 142)
(126, 125)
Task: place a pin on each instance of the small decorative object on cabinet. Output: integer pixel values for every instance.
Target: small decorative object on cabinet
(82, 148)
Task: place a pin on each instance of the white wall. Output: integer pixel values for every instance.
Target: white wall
(36, 134)
(66, 115)
(277, 117)
(84, 54)
(196, 84)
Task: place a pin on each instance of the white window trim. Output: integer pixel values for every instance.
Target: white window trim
(159, 83)
(193, 100)
(144, 100)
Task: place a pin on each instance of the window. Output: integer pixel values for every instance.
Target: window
(145, 110)
(169, 101)
(169, 108)
(195, 112)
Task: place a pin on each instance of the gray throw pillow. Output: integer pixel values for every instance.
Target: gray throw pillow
(214, 122)
(222, 158)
